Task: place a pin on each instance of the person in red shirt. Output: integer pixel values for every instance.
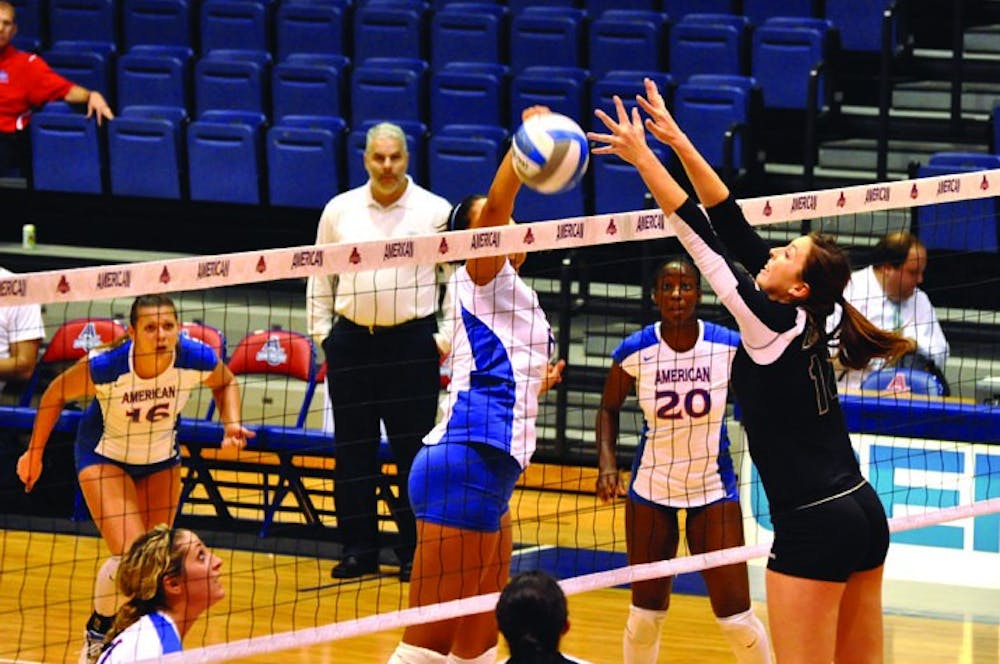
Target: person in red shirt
(27, 83)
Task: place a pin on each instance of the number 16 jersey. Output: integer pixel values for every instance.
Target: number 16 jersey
(132, 419)
(683, 456)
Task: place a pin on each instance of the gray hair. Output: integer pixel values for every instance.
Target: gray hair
(386, 130)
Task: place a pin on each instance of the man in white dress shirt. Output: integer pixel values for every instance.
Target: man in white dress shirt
(377, 330)
(888, 294)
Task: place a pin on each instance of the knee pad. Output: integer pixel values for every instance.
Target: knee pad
(643, 626)
(747, 637)
(106, 596)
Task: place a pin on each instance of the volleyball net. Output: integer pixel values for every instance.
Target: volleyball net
(934, 460)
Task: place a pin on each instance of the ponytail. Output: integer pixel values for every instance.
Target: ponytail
(827, 271)
(861, 340)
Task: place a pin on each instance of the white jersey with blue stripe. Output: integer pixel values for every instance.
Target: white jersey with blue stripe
(501, 344)
(132, 419)
(683, 456)
(152, 636)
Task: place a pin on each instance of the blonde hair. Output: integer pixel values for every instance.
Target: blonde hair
(154, 556)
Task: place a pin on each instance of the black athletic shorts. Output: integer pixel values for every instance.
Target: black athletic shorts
(830, 540)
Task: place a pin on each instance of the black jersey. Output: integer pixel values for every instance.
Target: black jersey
(783, 379)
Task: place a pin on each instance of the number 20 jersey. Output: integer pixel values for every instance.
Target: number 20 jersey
(132, 419)
(683, 456)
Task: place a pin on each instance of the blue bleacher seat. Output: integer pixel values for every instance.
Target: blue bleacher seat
(149, 77)
(390, 30)
(904, 379)
(32, 24)
(597, 7)
(231, 79)
(533, 206)
(304, 163)
(383, 92)
(677, 9)
(84, 21)
(469, 32)
(495, 133)
(621, 39)
(616, 188)
(708, 44)
(416, 142)
(309, 85)
(234, 24)
(759, 11)
(626, 84)
(717, 120)
(224, 157)
(562, 89)
(784, 55)
(143, 135)
(469, 93)
(967, 225)
(86, 68)
(547, 36)
(157, 22)
(67, 154)
(860, 23)
(518, 6)
(462, 165)
(311, 27)
(26, 44)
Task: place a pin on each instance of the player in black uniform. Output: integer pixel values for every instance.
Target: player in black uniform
(824, 578)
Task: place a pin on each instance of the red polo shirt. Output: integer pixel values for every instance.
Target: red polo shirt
(26, 83)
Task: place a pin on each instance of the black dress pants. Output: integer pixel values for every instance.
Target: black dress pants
(389, 374)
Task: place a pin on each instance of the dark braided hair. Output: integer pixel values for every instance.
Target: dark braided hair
(532, 615)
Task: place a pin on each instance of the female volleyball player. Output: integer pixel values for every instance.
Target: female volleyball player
(463, 477)
(679, 368)
(824, 576)
(170, 578)
(533, 617)
(127, 458)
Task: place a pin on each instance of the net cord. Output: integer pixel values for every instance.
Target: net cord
(204, 272)
(480, 603)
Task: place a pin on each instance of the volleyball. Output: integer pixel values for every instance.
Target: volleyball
(550, 153)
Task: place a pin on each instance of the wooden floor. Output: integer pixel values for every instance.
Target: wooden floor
(46, 583)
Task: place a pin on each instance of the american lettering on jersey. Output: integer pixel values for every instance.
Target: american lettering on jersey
(136, 396)
(692, 374)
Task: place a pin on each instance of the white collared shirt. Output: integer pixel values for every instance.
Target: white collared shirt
(376, 297)
(914, 318)
(18, 323)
